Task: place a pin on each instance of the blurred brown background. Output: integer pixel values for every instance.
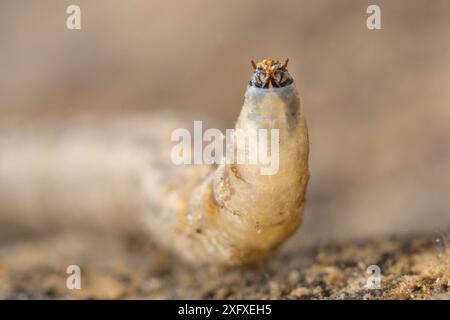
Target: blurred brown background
(377, 102)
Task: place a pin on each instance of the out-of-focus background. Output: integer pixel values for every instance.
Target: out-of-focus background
(377, 102)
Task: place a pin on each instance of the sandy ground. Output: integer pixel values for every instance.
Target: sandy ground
(417, 267)
(377, 104)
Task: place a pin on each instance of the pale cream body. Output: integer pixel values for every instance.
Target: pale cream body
(236, 215)
(117, 175)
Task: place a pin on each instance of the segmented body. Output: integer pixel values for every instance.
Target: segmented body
(118, 174)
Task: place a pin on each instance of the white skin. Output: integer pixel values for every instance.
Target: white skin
(116, 174)
(234, 214)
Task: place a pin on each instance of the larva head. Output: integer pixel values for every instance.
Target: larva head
(269, 72)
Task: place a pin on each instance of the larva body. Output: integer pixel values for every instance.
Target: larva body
(236, 214)
(120, 174)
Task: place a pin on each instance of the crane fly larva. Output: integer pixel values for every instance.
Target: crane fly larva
(117, 173)
(235, 214)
